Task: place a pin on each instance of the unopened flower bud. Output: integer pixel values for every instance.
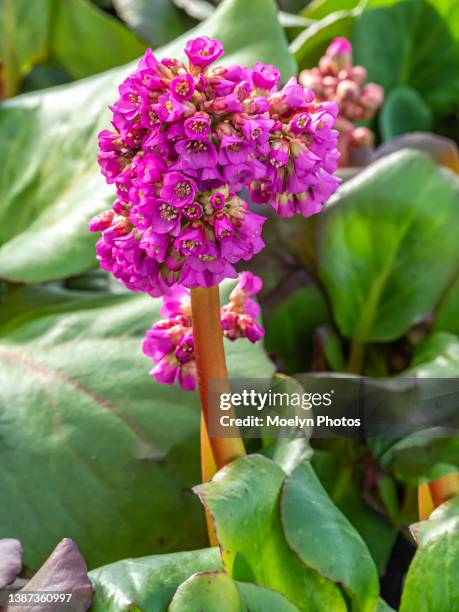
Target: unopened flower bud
(339, 53)
(102, 221)
(362, 137)
(372, 98)
(347, 90)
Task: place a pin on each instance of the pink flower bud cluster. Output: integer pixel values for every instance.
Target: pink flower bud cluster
(170, 341)
(337, 80)
(186, 138)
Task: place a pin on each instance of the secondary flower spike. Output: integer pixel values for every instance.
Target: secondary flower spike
(337, 80)
(186, 138)
(170, 341)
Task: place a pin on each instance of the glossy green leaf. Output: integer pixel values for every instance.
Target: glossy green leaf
(211, 591)
(312, 42)
(450, 13)
(50, 183)
(421, 52)
(251, 535)
(216, 591)
(289, 451)
(156, 22)
(404, 111)
(422, 457)
(291, 325)
(431, 583)
(317, 9)
(386, 256)
(147, 582)
(426, 454)
(45, 75)
(447, 316)
(117, 474)
(261, 599)
(314, 527)
(23, 39)
(436, 357)
(332, 348)
(342, 480)
(439, 522)
(34, 32)
(107, 42)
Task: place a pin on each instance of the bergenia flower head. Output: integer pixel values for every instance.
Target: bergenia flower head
(170, 344)
(186, 138)
(337, 80)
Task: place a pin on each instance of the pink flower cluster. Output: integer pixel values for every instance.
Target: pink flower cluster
(186, 138)
(337, 80)
(170, 341)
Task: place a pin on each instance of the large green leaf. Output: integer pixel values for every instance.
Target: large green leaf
(23, 39)
(314, 527)
(148, 582)
(49, 181)
(317, 9)
(441, 519)
(211, 591)
(251, 535)
(422, 457)
(436, 357)
(311, 43)
(421, 52)
(291, 325)
(343, 483)
(156, 22)
(107, 42)
(447, 317)
(426, 454)
(431, 584)
(404, 111)
(387, 250)
(80, 418)
(32, 32)
(216, 591)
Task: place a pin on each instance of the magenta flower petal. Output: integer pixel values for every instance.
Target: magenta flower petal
(203, 51)
(183, 86)
(178, 189)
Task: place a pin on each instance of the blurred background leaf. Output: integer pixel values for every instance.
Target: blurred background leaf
(156, 21)
(421, 53)
(107, 42)
(23, 39)
(386, 254)
(290, 327)
(34, 33)
(404, 111)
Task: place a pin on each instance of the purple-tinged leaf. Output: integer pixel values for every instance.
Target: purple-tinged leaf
(64, 571)
(10, 560)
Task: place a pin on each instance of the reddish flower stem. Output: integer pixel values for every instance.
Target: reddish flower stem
(437, 492)
(211, 365)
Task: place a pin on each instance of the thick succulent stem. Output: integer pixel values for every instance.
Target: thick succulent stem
(425, 503)
(211, 365)
(444, 488)
(437, 492)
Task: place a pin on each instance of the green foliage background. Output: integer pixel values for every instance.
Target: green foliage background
(370, 286)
